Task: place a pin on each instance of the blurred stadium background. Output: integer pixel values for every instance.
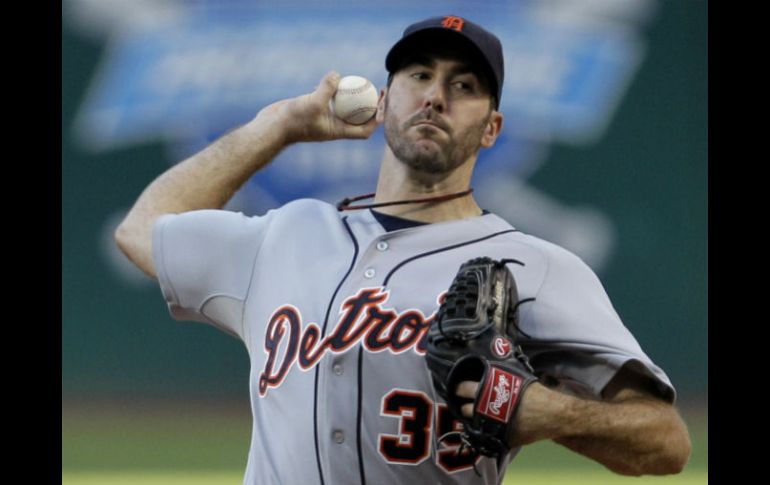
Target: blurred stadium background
(604, 152)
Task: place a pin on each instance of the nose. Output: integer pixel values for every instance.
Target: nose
(435, 96)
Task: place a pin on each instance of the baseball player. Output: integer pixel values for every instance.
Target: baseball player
(334, 303)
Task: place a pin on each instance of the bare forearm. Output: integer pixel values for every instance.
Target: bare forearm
(207, 180)
(633, 436)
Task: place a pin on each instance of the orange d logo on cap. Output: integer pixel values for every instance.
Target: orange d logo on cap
(455, 23)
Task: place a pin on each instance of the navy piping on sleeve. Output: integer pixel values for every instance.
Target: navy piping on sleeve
(447, 248)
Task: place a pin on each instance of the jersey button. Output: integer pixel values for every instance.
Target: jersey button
(369, 273)
(337, 369)
(338, 436)
(382, 245)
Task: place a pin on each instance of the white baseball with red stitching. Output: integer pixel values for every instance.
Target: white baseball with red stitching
(355, 101)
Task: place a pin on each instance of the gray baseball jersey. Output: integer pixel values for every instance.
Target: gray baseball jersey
(334, 312)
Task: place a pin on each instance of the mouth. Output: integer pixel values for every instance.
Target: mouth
(431, 124)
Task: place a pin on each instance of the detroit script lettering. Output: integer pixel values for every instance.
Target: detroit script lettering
(364, 318)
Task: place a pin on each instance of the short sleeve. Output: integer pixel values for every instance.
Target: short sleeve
(204, 261)
(580, 341)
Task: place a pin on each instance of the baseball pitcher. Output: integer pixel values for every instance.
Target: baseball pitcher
(416, 338)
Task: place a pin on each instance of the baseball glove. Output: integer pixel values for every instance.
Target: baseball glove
(474, 337)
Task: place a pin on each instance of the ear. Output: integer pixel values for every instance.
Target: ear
(380, 115)
(492, 130)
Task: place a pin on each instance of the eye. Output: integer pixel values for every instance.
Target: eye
(420, 75)
(464, 86)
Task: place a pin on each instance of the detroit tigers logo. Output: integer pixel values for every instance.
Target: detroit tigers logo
(363, 318)
(501, 347)
(451, 22)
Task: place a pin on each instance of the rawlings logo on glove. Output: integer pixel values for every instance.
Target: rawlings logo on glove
(496, 401)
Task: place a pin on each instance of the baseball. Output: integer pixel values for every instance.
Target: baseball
(355, 101)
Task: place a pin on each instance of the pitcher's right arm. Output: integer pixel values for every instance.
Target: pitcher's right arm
(208, 179)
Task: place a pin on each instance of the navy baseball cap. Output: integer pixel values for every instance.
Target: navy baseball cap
(486, 44)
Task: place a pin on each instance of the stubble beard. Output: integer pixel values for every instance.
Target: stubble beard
(450, 153)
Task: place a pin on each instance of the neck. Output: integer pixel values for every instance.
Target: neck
(397, 181)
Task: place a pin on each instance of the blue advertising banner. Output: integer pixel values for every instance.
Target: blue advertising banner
(194, 76)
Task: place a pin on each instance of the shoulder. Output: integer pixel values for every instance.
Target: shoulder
(302, 216)
(215, 226)
(539, 253)
(205, 221)
(542, 266)
(307, 206)
(300, 208)
(561, 274)
(553, 255)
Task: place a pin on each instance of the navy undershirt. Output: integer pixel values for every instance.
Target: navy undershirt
(393, 223)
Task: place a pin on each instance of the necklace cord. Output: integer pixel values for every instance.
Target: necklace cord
(344, 204)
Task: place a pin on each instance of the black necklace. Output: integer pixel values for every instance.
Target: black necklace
(344, 204)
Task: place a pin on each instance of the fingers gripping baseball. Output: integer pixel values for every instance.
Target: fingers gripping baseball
(310, 117)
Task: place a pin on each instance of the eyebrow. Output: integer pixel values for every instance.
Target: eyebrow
(460, 68)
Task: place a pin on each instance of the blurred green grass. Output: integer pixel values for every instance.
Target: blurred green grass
(197, 443)
(541, 477)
